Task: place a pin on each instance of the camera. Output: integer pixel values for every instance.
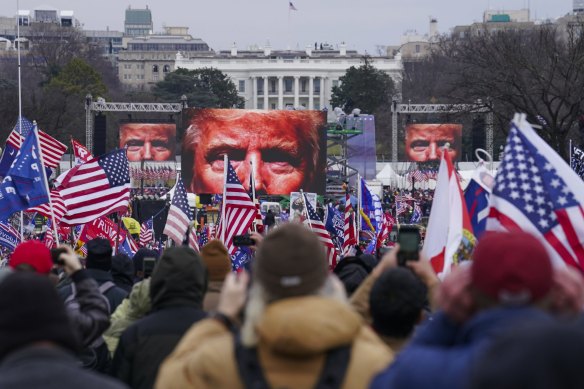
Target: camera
(409, 244)
(148, 266)
(243, 240)
(56, 253)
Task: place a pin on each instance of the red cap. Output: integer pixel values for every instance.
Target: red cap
(33, 253)
(511, 267)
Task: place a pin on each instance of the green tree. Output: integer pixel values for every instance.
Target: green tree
(365, 87)
(205, 88)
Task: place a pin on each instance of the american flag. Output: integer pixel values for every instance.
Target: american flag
(387, 222)
(59, 207)
(179, 215)
(350, 236)
(401, 198)
(417, 215)
(401, 207)
(146, 232)
(577, 161)
(417, 175)
(96, 188)
(536, 191)
(240, 211)
(291, 6)
(51, 149)
(316, 225)
(49, 235)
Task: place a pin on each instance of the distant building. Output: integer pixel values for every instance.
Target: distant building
(145, 60)
(279, 79)
(578, 7)
(494, 21)
(138, 22)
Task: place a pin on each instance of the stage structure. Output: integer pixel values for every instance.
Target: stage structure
(102, 106)
(338, 169)
(478, 107)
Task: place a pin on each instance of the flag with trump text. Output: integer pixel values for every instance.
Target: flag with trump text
(98, 187)
(179, 215)
(536, 191)
(316, 225)
(24, 186)
(449, 236)
(240, 211)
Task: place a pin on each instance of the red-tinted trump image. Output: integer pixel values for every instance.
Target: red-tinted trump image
(148, 141)
(424, 142)
(287, 150)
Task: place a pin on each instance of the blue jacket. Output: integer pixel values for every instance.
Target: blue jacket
(442, 353)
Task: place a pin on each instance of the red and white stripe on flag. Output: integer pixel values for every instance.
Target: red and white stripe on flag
(449, 225)
(193, 239)
(350, 236)
(59, 207)
(317, 226)
(537, 191)
(51, 149)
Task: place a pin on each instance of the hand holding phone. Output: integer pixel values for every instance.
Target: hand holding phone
(409, 243)
(243, 240)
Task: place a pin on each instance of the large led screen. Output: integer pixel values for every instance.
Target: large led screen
(424, 142)
(287, 150)
(148, 141)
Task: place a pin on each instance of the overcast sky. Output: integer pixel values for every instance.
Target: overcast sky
(362, 24)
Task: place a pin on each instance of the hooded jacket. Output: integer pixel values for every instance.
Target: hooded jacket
(295, 335)
(177, 288)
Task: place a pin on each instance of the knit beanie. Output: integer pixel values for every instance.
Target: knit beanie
(216, 259)
(31, 311)
(290, 262)
(99, 254)
(33, 253)
(511, 267)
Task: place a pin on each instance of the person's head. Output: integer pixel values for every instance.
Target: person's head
(535, 356)
(424, 142)
(352, 271)
(148, 141)
(290, 262)
(32, 255)
(284, 147)
(99, 254)
(179, 278)
(510, 268)
(32, 312)
(123, 268)
(138, 260)
(216, 259)
(396, 302)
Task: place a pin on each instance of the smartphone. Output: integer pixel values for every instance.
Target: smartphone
(243, 240)
(56, 253)
(148, 266)
(409, 244)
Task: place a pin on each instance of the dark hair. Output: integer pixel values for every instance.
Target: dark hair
(352, 271)
(396, 301)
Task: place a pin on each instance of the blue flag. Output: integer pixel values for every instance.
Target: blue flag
(11, 150)
(367, 206)
(24, 186)
(476, 196)
(335, 222)
(9, 237)
(417, 214)
(241, 259)
(124, 248)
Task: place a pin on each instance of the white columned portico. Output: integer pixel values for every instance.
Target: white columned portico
(296, 91)
(321, 103)
(266, 106)
(254, 95)
(311, 93)
(280, 92)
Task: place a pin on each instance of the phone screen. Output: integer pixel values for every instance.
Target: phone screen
(409, 241)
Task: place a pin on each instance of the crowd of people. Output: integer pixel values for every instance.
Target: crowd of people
(183, 319)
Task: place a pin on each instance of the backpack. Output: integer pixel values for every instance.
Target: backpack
(95, 356)
(251, 374)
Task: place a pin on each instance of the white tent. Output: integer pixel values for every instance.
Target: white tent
(387, 176)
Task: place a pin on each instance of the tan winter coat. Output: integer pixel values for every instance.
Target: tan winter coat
(295, 335)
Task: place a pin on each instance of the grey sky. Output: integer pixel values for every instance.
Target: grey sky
(362, 24)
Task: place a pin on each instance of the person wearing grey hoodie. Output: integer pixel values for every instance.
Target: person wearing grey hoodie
(177, 288)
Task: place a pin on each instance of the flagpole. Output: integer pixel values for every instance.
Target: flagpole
(359, 194)
(223, 205)
(20, 102)
(253, 195)
(306, 208)
(118, 232)
(45, 181)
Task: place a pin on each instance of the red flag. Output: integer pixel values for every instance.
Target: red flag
(81, 153)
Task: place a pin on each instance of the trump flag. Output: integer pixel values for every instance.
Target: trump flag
(537, 191)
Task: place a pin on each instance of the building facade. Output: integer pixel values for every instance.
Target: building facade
(279, 79)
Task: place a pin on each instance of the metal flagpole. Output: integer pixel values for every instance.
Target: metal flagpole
(45, 182)
(359, 194)
(306, 208)
(20, 101)
(252, 185)
(223, 206)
